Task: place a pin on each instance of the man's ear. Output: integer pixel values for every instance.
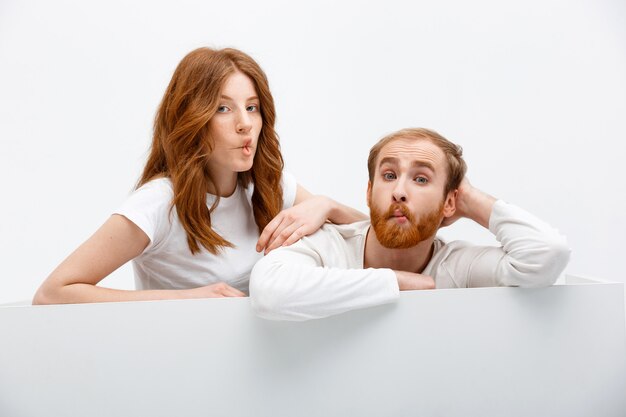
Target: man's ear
(449, 204)
(369, 193)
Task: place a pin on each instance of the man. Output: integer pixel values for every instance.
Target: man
(416, 185)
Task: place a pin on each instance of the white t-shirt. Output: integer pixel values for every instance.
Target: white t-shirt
(167, 262)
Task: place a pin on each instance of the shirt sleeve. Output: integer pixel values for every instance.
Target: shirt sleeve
(290, 186)
(148, 207)
(533, 254)
(301, 283)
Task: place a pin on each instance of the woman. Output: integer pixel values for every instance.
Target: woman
(213, 181)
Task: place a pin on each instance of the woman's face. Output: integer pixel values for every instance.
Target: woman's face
(235, 127)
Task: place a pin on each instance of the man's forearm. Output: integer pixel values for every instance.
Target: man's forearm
(292, 290)
(535, 253)
(476, 205)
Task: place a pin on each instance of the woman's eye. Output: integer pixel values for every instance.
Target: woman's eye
(421, 180)
(389, 176)
(252, 107)
(222, 109)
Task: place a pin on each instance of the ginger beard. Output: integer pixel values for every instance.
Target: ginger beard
(392, 235)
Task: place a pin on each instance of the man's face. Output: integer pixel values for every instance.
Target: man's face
(406, 197)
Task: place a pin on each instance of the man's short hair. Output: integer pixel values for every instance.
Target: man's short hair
(453, 152)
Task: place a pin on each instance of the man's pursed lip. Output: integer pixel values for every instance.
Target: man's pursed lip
(398, 213)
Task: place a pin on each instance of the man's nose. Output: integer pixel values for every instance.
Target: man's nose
(399, 192)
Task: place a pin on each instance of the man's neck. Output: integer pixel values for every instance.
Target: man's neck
(413, 259)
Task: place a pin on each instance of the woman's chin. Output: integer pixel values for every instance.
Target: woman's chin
(244, 167)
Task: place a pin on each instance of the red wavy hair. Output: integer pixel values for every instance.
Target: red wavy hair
(181, 143)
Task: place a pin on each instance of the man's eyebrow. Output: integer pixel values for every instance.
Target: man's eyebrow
(389, 160)
(423, 164)
(415, 164)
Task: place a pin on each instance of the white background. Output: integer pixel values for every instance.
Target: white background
(534, 91)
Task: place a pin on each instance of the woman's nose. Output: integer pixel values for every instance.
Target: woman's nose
(243, 122)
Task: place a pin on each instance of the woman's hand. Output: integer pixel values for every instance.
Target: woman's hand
(292, 224)
(218, 290)
(307, 215)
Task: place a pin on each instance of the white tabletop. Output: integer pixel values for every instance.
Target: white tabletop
(557, 351)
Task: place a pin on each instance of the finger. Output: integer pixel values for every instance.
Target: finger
(229, 291)
(277, 236)
(237, 293)
(269, 231)
(298, 234)
(284, 234)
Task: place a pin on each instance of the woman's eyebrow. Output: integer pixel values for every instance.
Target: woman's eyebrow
(232, 99)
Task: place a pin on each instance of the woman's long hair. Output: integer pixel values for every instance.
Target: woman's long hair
(181, 144)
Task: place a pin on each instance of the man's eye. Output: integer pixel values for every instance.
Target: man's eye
(252, 107)
(389, 176)
(421, 180)
(222, 109)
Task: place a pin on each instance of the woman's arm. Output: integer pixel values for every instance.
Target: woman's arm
(336, 213)
(116, 242)
(307, 215)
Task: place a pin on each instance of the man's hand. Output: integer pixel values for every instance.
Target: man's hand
(413, 281)
(471, 203)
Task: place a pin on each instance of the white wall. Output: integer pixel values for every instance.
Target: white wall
(535, 91)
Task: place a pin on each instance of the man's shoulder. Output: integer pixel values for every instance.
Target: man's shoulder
(348, 231)
(441, 244)
(345, 232)
(337, 245)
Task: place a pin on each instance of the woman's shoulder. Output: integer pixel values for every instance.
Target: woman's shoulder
(290, 189)
(153, 195)
(158, 184)
(156, 189)
(149, 207)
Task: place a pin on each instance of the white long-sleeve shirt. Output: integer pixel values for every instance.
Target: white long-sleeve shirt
(323, 273)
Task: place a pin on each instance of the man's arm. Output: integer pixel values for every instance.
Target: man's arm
(533, 254)
(290, 283)
(320, 276)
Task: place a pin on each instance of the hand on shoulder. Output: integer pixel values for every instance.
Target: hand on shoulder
(292, 224)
